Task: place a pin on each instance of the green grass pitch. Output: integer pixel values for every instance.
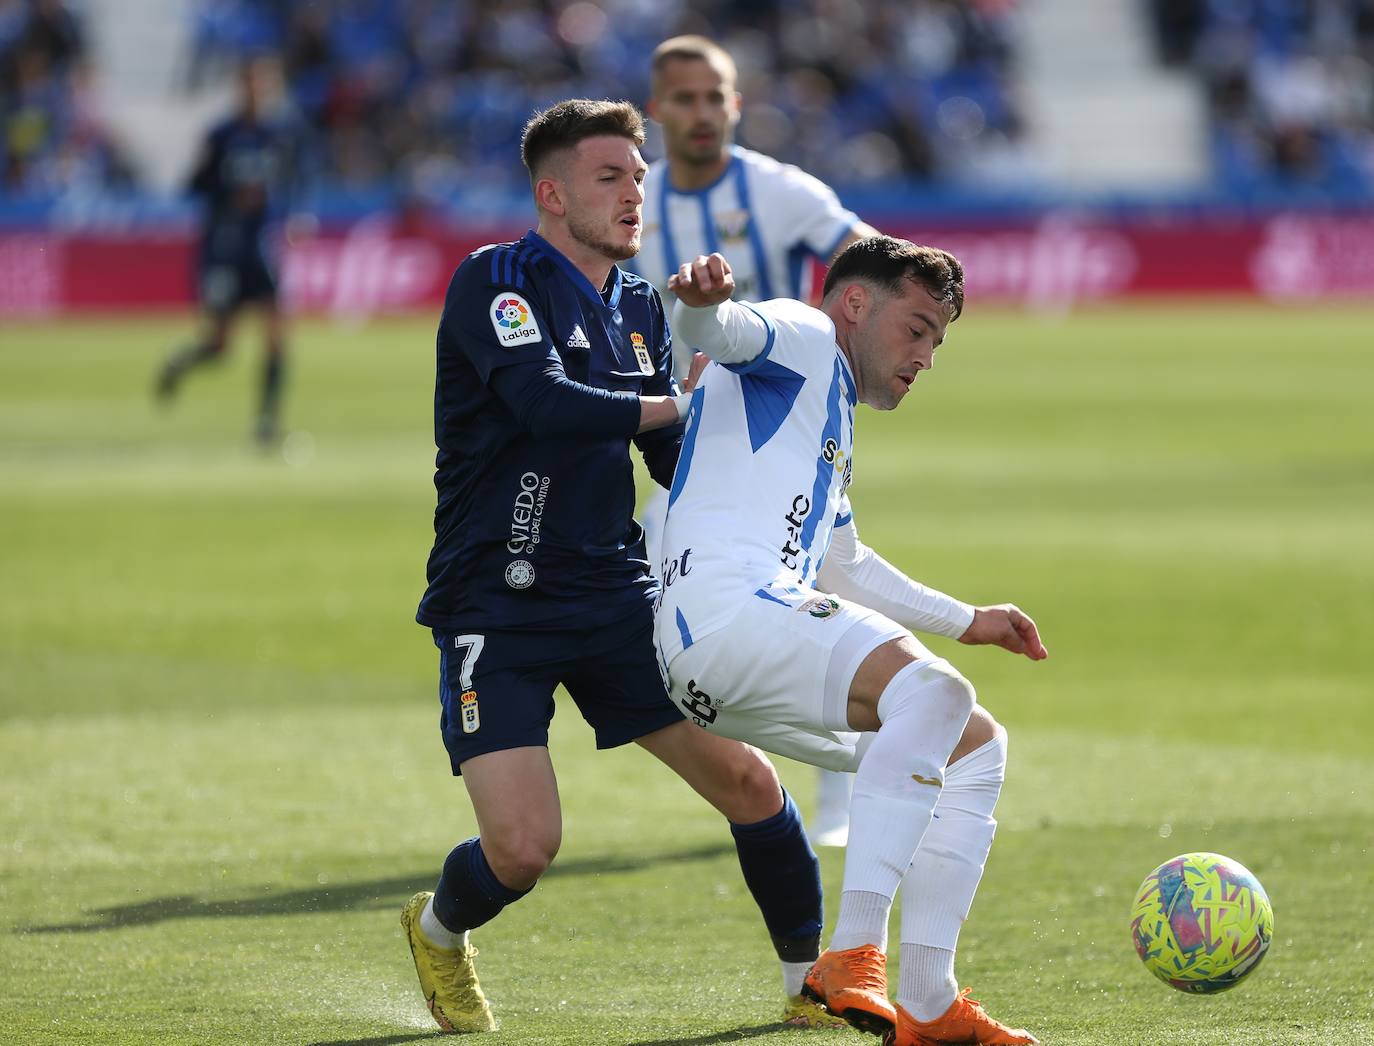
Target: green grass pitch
(218, 747)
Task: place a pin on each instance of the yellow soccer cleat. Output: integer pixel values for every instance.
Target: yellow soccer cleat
(801, 1012)
(448, 977)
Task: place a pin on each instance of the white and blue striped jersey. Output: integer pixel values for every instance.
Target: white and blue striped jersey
(761, 479)
(767, 218)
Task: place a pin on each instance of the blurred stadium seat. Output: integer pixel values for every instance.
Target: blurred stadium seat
(1290, 85)
(1073, 149)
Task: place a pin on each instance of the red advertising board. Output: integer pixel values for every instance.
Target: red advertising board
(380, 266)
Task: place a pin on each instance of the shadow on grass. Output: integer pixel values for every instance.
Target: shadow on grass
(733, 1035)
(367, 895)
(382, 1040)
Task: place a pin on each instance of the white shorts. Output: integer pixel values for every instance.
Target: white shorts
(778, 675)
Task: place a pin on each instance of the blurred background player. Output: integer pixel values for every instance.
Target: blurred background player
(769, 220)
(247, 173)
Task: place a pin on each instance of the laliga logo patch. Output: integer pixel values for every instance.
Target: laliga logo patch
(642, 357)
(520, 574)
(821, 606)
(467, 711)
(513, 319)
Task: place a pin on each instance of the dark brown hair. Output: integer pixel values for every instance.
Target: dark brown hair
(563, 125)
(886, 261)
(693, 47)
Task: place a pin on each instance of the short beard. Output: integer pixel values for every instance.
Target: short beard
(589, 235)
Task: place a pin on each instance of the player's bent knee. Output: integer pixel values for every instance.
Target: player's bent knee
(748, 790)
(757, 782)
(940, 683)
(519, 861)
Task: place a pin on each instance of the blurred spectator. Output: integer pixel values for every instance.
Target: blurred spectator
(52, 137)
(434, 92)
(1291, 87)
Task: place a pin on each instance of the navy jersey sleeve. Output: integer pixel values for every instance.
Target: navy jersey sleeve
(660, 448)
(494, 320)
(490, 321)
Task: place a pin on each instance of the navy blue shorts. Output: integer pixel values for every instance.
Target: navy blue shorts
(229, 280)
(496, 688)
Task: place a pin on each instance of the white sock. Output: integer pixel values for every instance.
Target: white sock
(437, 932)
(863, 916)
(938, 889)
(923, 712)
(793, 974)
(927, 985)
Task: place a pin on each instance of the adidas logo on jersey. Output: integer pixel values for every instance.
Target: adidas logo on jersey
(578, 340)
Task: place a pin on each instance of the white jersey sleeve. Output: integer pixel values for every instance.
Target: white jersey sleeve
(798, 337)
(853, 571)
(809, 208)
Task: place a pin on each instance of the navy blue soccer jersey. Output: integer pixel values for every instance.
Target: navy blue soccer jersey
(534, 526)
(246, 172)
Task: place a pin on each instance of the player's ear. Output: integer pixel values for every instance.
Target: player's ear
(651, 109)
(548, 196)
(855, 302)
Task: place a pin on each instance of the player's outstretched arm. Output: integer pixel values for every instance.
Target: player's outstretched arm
(1006, 626)
(705, 317)
(853, 571)
(551, 405)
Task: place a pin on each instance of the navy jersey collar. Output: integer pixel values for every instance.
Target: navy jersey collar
(610, 300)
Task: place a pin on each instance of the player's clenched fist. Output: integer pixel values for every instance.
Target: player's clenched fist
(703, 282)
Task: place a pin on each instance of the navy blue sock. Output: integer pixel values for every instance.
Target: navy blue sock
(469, 894)
(782, 873)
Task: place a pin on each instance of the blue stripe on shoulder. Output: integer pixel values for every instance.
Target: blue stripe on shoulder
(683, 630)
(496, 265)
(523, 257)
(757, 361)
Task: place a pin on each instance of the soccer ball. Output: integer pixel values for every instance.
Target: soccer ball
(1201, 923)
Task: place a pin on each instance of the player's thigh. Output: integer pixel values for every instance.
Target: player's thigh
(828, 749)
(496, 691)
(617, 684)
(737, 779)
(789, 658)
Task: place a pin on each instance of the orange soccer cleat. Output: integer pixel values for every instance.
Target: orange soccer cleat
(853, 984)
(964, 1022)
